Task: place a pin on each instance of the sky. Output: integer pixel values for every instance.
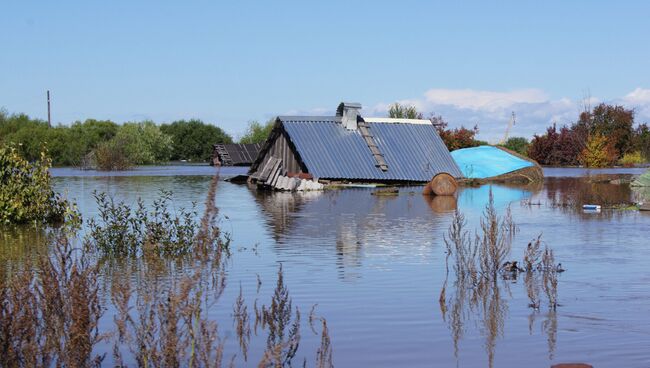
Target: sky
(227, 63)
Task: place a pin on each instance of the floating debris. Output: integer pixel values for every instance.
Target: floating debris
(386, 192)
(591, 207)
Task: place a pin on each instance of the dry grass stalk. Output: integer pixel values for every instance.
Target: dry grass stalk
(50, 316)
(283, 333)
(532, 254)
(550, 281)
(242, 322)
(482, 274)
(495, 242)
(324, 353)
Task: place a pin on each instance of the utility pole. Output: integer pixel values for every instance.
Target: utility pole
(510, 124)
(49, 116)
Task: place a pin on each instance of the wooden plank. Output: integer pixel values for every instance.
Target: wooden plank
(276, 176)
(276, 172)
(268, 169)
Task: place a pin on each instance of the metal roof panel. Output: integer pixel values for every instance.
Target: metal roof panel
(413, 152)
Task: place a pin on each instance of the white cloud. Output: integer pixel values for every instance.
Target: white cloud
(317, 111)
(483, 100)
(639, 100)
(491, 110)
(638, 96)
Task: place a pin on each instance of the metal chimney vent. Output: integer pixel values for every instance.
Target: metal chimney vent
(349, 111)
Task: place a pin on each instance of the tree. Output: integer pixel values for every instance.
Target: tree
(456, 138)
(398, 111)
(558, 148)
(612, 121)
(642, 140)
(144, 143)
(517, 144)
(599, 152)
(193, 140)
(256, 132)
(26, 193)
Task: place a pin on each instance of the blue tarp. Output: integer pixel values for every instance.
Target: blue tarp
(486, 162)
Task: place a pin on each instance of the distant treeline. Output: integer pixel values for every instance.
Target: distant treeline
(604, 136)
(108, 145)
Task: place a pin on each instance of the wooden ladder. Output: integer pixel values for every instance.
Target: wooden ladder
(224, 156)
(364, 129)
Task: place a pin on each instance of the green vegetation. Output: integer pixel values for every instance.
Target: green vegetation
(398, 111)
(121, 231)
(517, 144)
(256, 132)
(50, 310)
(192, 140)
(26, 194)
(600, 137)
(109, 146)
(454, 139)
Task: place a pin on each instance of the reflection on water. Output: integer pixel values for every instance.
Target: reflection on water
(18, 245)
(375, 266)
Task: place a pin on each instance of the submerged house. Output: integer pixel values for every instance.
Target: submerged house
(235, 154)
(350, 148)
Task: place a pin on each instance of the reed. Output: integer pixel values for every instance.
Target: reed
(283, 327)
(50, 310)
(242, 323)
(482, 275)
(49, 313)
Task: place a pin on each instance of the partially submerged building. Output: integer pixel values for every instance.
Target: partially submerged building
(350, 148)
(235, 154)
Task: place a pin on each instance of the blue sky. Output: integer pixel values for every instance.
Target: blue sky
(228, 63)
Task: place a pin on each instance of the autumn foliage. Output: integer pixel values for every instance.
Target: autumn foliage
(455, 138)
(598, 152)
(601, 137)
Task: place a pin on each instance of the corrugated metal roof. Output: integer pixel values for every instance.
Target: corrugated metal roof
(413, 152)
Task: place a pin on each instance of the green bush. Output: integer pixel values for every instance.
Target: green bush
(110, 155)
(121, 231)
(193, 140)
(144, 143)
(26, 194)
(256, 132)
(517, 144)
(631, 158)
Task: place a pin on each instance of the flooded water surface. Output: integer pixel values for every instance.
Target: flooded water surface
(376, 265)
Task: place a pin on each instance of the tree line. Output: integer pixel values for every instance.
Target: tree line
(604, 136)
(108, 145)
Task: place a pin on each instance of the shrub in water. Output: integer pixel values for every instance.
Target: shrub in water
(26, 193)
(122, 231)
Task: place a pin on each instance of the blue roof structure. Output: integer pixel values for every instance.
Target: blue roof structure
(487, 161)
(412, 149)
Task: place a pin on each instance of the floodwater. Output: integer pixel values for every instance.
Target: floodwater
(375, 267)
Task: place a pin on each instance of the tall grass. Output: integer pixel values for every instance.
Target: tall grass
(50, 311)
(483, 272)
